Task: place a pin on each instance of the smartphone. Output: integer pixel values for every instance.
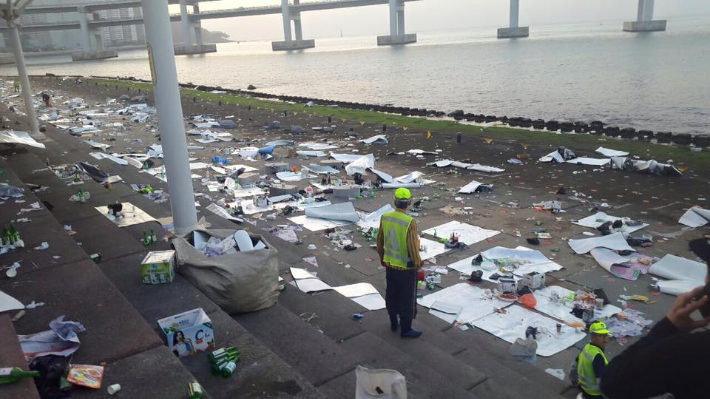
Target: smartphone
(705, 291)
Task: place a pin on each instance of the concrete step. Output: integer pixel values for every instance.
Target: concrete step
(260, 371)
(423, 380)
(11, 356)
(310, 352)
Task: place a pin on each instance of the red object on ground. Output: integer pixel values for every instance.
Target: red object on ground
(421, 275)
(529, 301)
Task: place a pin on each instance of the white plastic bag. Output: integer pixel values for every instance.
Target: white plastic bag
(379, 384)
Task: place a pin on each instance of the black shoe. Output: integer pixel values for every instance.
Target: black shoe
(411, 334)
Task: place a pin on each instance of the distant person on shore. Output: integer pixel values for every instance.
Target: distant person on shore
(592, 362)
(47, 100)
(398, 247)
(16, 85)
(669, 359)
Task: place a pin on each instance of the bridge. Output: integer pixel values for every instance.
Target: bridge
(190, 23)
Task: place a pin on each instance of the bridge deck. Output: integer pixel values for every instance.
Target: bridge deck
(213, 14)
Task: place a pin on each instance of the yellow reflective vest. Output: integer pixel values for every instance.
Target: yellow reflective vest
(395, 226)
(585, 369)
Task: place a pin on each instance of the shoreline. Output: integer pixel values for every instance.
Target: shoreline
(661, 147)
(596, 127)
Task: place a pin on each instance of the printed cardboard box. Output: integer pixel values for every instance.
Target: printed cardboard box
(188, 333)
(158, 267)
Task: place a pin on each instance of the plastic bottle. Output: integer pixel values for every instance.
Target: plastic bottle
(11, 375)
(153, 237)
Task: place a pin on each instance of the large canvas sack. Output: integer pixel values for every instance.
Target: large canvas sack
(379, 384)
(241, 282)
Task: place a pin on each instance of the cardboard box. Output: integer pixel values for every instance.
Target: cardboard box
(158, 267)
(188, 333)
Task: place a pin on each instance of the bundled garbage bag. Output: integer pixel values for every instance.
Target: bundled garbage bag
(379, 384)
(238, 281)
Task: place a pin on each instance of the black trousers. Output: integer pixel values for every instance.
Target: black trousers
(401, 296)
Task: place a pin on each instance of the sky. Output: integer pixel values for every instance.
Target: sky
(439, 15)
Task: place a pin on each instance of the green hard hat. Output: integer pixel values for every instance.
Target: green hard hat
(402, 194)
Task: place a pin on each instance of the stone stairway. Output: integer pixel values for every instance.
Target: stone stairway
(305, 346)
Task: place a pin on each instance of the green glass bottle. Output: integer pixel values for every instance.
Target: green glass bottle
(11, 375)
(146, 241)
(194, 390)
(228, 369)
(153, 237)
(221, 353)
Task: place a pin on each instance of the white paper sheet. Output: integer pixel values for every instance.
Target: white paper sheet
(433, 249)
(316, 154)
(589, 161)
(512, 325)
(379, 139)
(371, 302)
(615, 241)
(531, 260)
(695, 217)
(470, 187)
(356, 290)
(101, 155)
(131, 215)
(472, 300)
(312, 285)
(12, 137)
(410, 177)
(344, 211)
(678, 287)
(562, 311)
(485, 169)
(446, 311)
(598, 219)
(674, 267)
(373, 219)
(382, 175)
(360, 165)
(99, 146)
(348, 158)
(468, 234)
(611, 153)
(291, 176)
(9, 303)
(248, 192)
(315, 224)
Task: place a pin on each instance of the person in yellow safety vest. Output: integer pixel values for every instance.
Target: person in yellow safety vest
(592, 362)
(398, 247)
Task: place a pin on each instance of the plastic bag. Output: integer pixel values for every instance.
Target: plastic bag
(379, 384)
(237, 282)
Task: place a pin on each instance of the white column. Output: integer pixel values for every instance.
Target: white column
(24, 80)
(286, 14)
(99, 41)
(639, 13)
(198, 26)
(400, 20)
(648, 10)
(514, 13)
(393, 17)
(184, 23)
(84, 25)
(167, 102)
(297, 27)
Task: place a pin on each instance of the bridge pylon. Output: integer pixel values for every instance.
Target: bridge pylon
(644, 19)
(514, 30)
(189, 47)
(289, 43)
(92, 45)
(397, 35)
